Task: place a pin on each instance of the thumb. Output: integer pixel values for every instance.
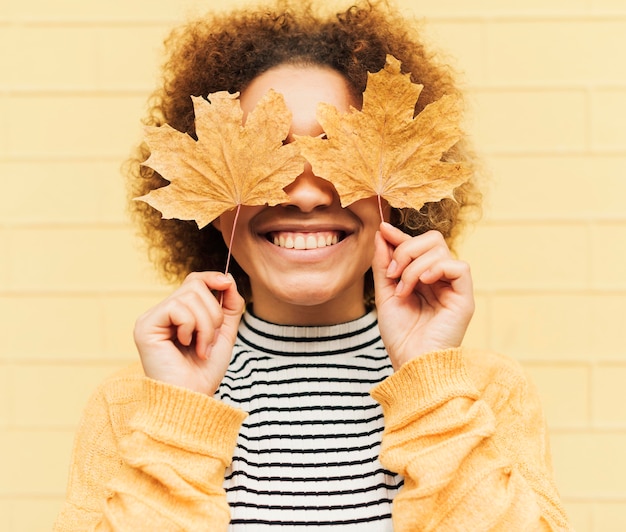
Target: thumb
(232, 302)
(232, 308)
(384, 286)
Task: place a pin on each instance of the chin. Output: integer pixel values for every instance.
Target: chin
(310, 297)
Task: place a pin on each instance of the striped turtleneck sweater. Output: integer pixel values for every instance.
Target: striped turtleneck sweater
(307, 454)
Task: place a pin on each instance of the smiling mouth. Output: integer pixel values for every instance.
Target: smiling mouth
(290, 240)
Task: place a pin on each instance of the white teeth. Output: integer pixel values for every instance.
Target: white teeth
(299, 242)
(283, 242)
(304, 240)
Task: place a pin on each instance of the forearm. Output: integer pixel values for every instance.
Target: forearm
(465, 467)
(169, 470)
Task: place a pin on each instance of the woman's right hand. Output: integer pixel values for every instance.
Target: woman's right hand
(187, 339)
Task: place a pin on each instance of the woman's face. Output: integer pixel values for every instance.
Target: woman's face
(306, 258)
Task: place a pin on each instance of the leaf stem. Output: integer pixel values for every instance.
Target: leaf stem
(232, 238)
(380, 208)
(230, 247)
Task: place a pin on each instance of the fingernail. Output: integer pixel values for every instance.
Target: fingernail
(399, 287)
(392, 268)
(225, 278)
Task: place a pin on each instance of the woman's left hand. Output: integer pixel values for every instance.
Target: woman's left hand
(424, 296)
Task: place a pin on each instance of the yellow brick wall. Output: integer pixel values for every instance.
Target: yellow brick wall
(547, 86)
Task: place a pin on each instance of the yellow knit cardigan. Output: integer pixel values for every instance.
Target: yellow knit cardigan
(464, 428)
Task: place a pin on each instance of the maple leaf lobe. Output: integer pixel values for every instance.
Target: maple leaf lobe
(384, 149)
(231, 163)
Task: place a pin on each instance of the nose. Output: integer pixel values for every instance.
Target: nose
(309, 192)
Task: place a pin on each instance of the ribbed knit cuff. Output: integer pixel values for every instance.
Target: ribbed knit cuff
(423, 384)
(188, 420)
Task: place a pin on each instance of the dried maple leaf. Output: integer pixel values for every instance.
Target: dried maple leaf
(383, 150)
(231, 164)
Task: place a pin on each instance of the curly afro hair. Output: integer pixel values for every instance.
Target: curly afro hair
(225, 52)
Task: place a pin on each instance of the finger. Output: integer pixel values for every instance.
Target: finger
(182, 319)
(233, 306)
(394, 237)
(448, 283)
(392, 234)
(384, 285)
(455, 272)
(198, 289)
(410, 275)
(198, 292)
(232, 302)
(213, 280)
(431, 243)
(208, 318)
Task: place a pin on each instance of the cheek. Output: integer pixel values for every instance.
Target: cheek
(237, 225)
(224, 224)
(217, 223)
(368, 211)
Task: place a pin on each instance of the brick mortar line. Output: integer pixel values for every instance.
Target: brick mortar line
(501, 87)
(61, 159)
(556, 152)
(123, 223)
(538, 292)
(595, 498)
(59, 429)
(574, 153)
(68, 226)
(529, 18)
(75, 362)
(114, 293)
(616, 154)
(541, 221)
(70, 92)
(578, 362)
(28, 498)
(556, 86)
(486, 154)
(47, 157)
(111, 361)
(36, 497)
(591, 219)
(89, 23)
(595, 430)
(608, 15)
(542, 362)
(480, 292)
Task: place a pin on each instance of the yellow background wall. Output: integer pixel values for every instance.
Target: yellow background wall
(547, 85)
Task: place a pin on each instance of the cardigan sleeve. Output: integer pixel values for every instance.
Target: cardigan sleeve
(471, 445)
(150, 458)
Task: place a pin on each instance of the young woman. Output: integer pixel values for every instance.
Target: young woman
(326, 386)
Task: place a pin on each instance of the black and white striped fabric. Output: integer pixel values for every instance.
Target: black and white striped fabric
(307, 455)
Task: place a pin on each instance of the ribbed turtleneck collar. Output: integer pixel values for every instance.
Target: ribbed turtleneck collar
(303, 340)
